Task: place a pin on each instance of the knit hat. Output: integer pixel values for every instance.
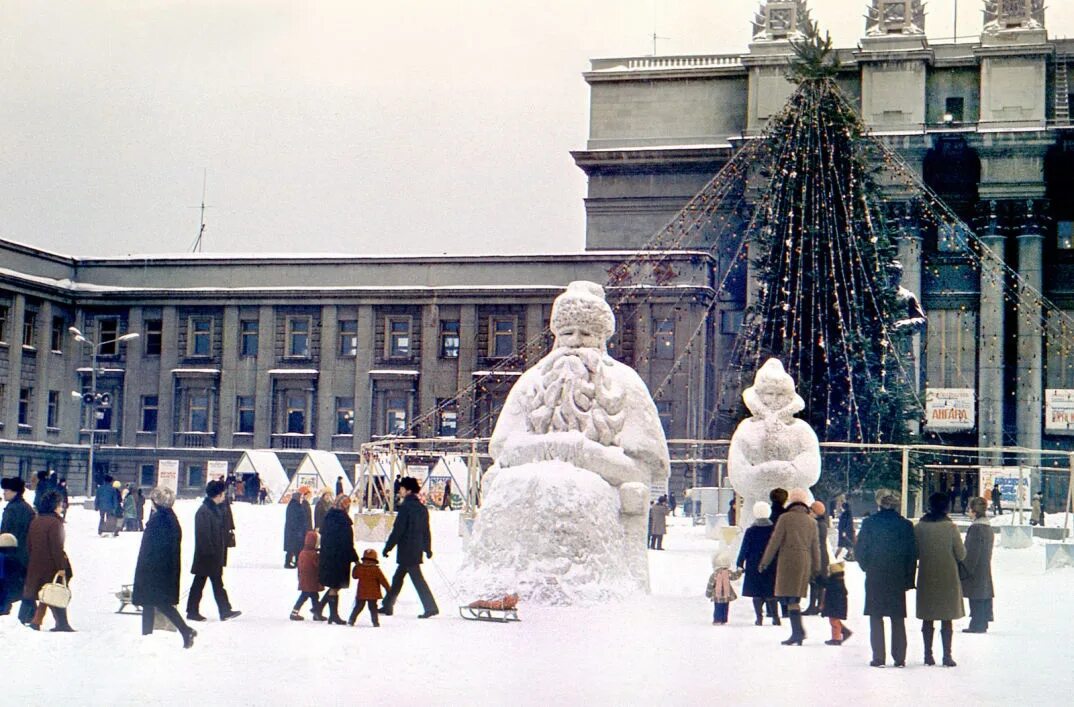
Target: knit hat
(887, 498)
(583, 305)
(214, 488)
(799, 495)
(116, 485)
(818, 508)
(162, 496)
(762, 510)
(369, 555)
(8, 540)
(721, 559)
(13, 483)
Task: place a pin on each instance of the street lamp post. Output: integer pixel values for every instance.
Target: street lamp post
(93, 398)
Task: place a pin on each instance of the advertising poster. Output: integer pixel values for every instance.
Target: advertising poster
(950, 409)
(1014, 495)
(217, 470)
(1058, 410)
(168, 474)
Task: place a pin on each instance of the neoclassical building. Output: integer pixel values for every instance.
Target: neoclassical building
(327, 352)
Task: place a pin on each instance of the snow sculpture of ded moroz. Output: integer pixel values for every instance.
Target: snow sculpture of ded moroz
(773, 448)
(577, 448)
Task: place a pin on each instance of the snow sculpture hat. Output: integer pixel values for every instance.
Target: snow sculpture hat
(583, 305)
(772, 377)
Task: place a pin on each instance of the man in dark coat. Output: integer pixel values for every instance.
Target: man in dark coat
(253, 488)
(411, 534)
(977, 586)
(997, 500)
(887, 553)
(847, 534)
(16, 520)
(107, 505)
(298, 521)
(211, 535)
(339, 485)
(156, 576)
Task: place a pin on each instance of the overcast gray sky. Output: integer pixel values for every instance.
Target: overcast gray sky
(398, 126)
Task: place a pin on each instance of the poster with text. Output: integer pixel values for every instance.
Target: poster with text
(1058, 410)
(950, 409)
(168, 474)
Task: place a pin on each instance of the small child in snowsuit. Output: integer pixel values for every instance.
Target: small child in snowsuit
(9, 574)
(719, 589)
(370, 580)
(308, 565)
(835, 604)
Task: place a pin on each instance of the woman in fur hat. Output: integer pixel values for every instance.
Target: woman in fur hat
(795, 550)
(337, 555)
(156, 576)
(370, 580)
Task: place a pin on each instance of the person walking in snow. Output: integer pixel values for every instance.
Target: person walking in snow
(760, 586)
(324, 504)
(139, 502)
(939, 591)
(47, 559)
(795, 551)
(719, 588)
(130, 511)
(106, 504)
(977, 585)
(211, 536)
(411, 534)
(156, 574)
(18, 514)
(298, 520)
(816, 585)
(339, 485)
(658, 524)
(337, 554)
(887, 552)
(370, 580)
(309, 584)
(997, 500)
(964, 497)
(835, 603)
(847, 535)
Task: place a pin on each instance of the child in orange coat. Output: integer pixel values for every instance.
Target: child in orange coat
(370, 580)
(308, 563)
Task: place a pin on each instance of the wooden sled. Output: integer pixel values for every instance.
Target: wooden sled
(502, 616)
(124, 596)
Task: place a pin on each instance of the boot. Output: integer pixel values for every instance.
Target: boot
(353, 616)
(773, 612)
(188, 638)
(318, 609)
(847, 633)
(758, 603)
(927, 632)
(946, 632)
(797, 632)
(333, 611)
(295, 616)
(39, 617)
(62, 626)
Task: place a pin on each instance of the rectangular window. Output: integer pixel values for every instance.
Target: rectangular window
(53, 417)
(3, 322)
(25, 396)
(200, 341)
(295, 402)
(1065, 232)
(56, 338)
(348, 337)
(147, 475)
(954, 109)
(344, 416)
(396, 416)
(149, 413)
(248, 329)
(244, 407)
(449, 339)
(198, 409)
(103, 418)
(398, 342)
(448, 421)
(664, 338)
(195, 475)
(501, 337)
(949, 238)
(29, 328)
(298, 337)
(154, 336)
(107, 333)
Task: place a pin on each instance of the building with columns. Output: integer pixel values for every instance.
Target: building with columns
(290, 353)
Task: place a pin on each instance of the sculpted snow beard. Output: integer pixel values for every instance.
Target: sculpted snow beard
(574, 394)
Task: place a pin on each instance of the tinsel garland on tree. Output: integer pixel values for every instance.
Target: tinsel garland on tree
(829, 293)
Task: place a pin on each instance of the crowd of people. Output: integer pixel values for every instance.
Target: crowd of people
(784, 557)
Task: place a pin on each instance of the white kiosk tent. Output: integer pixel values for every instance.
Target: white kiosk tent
(318, 470)
(267, 466)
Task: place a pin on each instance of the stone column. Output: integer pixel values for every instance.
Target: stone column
(991, 334)
(363, 362)
(169, 359)
(130, 411)
(467, 359)
(14, 366)
(226, 384)
(427, 359)
(41, 385)
(1029, 390)
(264, 405)
(910, 256)
(325, 383)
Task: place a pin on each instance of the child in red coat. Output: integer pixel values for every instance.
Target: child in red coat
(370, 580)
(308, 584)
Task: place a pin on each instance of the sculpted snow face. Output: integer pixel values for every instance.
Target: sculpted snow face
(577, 406)
(772, 449)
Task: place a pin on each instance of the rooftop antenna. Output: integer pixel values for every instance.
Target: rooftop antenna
(655, 36)
(201, 230)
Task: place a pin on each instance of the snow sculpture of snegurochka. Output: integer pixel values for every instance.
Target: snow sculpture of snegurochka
(577, 449)
(773, 448)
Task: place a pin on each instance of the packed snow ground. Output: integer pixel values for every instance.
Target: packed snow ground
(657, 649)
